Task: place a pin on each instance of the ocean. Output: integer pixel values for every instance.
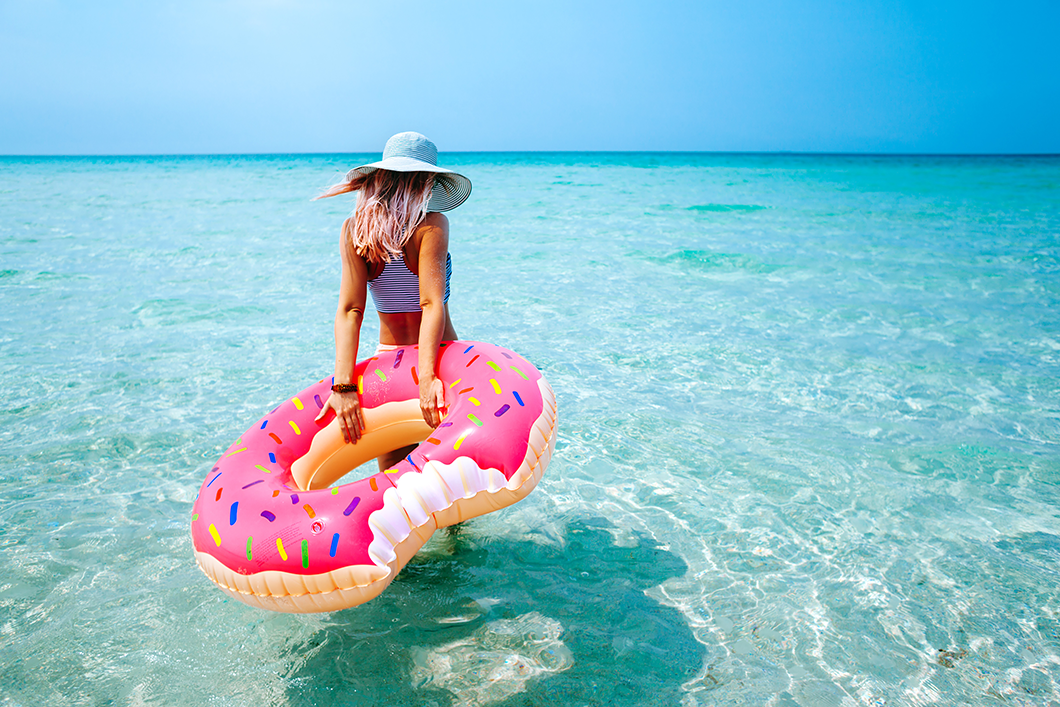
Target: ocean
(809, 417)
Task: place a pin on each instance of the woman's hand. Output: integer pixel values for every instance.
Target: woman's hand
(432, 401)
(347, 407)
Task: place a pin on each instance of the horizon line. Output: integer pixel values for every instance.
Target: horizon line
(793, 153)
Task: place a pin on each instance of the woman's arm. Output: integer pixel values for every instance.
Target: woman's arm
(433, 251)
(348, 318)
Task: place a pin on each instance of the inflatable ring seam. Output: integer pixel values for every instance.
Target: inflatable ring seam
(223, 581)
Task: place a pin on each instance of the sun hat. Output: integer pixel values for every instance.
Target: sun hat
(412, 152)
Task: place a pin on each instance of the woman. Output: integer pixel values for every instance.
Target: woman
(396, 245)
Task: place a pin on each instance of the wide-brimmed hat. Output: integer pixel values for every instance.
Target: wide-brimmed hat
(412, 152)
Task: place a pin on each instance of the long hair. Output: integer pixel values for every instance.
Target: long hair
(390, 206)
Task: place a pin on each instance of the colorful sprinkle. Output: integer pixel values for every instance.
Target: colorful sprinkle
(506, 355)
(275, 494)
(381, 375)
(261, 468)
(279, 546)
(494, 366)
(254, 483)
(241, 449)
(215, 535)
(475, 401)
(272, 457)
(474, 419)
(319, 403)
(263, 424)
(232, 513)
(294, 499)
(445, 424)
(459, 441)
(371, 482)
(268, 515)
(194, 517)
(432, 440)
(334, 544)
(250, 541)
(519, 372)
(504, 409)
(469, 348)
(294, 427)
(415, 378)
(213, 479)
(275, 439)
(305, 553)
(453, 384)
(496, 386)
(360, 384)
(466, 390)
(335, 491)
(471, 361)
(353, 504)
(309, 509)
(297, 403)
(397, 359)
(409, 457)
(518, 399)
(218, 496)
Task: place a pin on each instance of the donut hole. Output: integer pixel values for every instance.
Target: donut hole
(388, 427)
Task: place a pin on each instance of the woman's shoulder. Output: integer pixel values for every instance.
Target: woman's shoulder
(436, 219)
(434, 225)
(432, 235)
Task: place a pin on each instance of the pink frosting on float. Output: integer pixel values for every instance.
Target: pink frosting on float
(251, 516)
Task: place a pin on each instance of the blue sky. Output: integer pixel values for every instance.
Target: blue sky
(232, 76)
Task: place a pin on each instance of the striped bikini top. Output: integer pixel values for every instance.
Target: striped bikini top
(397, 289)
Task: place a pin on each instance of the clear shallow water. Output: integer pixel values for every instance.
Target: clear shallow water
(808, 453)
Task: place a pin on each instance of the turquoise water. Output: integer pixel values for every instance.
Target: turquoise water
(808, 449)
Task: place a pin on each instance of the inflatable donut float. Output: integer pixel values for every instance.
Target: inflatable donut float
(270, 529)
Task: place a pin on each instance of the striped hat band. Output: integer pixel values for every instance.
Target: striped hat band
(412, 152)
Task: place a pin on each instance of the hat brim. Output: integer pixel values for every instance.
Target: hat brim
(449, 192)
